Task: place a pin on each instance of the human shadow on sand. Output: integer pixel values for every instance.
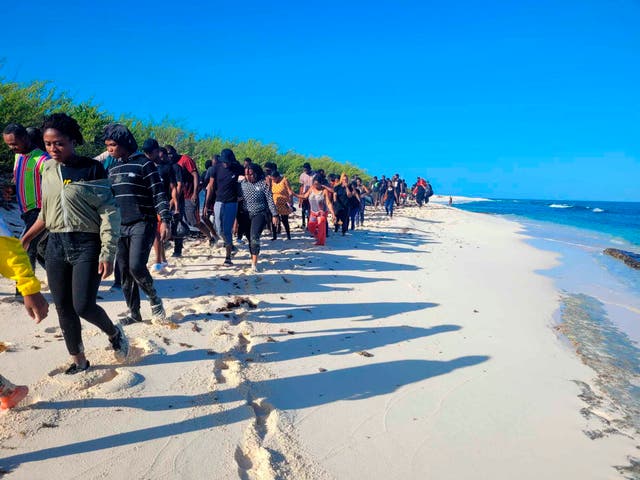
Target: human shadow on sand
(314, 260)
(357, 312)
(181, 288)
(340, 341)
(291, 393)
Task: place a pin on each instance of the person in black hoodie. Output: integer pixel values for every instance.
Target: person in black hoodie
(224, 183)
(139, 193)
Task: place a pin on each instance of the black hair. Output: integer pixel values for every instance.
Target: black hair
(318, 178)
(216, 157)
(208, 163)
(227, 155)
(271, 166)
(257, 170)
(35, 135)
(65, 124)
(170, 148)
(163, 150)
(247, 159)
(15, 129)
(122, 136)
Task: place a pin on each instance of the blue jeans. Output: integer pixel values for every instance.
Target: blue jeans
(225, 215)
(388, 205)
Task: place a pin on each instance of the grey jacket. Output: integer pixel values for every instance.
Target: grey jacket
(80, 207)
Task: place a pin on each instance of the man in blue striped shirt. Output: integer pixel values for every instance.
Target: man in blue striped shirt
(140, 195)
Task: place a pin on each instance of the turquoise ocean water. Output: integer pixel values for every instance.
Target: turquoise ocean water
(600, 296)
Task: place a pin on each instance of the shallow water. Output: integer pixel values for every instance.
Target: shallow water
(600, 302)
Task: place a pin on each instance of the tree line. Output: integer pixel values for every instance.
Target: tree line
(28, 103)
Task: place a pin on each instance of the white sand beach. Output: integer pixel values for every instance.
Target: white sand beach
(420, 347)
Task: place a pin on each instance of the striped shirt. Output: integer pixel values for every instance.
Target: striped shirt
(27, 171)
(139, 190)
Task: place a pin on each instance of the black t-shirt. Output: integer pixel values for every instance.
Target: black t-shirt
(354, 201)
(226, 181)
(342, 200)
(82, 169)
(168, 176)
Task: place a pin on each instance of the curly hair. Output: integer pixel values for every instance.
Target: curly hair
(65, 124)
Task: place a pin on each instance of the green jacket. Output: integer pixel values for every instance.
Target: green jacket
(80, 207)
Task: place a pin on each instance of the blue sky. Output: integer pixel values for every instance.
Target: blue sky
(521, 99)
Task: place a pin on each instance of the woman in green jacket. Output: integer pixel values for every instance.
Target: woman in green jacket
(79, 211)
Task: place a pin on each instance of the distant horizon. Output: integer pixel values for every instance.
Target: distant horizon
(535, 199)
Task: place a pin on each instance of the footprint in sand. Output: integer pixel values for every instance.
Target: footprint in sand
(227, 370)
(244, 342)
(123, 380)
(218, 367)
(83, 381)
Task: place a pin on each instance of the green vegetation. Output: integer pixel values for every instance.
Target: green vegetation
(29, 103)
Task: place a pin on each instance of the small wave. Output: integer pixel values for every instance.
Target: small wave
(559, 205)
(597, 210)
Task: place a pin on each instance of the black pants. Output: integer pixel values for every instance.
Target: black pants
(282, 220)
(72, 271)
(353, 213)
(134, 247)
(342, 215)
(258, 222)
(29, 218)
(179, 228)
(305, 211)
(244, 223)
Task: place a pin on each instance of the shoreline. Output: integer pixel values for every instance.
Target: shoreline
(421, 348)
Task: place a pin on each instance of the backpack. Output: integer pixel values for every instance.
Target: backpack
(429, 190)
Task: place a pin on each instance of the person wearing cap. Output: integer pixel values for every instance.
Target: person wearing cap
(140, 195)
(224, 182)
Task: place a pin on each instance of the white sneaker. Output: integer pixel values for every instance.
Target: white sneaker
(255, 268)
(158, 315)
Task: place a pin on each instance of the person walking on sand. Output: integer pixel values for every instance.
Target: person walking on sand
(15, 264)
(139, 193)
(259, 203)
(224, 182)
(79, 210)
(191, 190)
(363, 193)
(320, 205)
(283, 198)
(390, 197)
(306, 180)
(151, 150)
(27, 177)
(342, 194)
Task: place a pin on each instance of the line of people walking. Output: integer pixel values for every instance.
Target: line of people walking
(86, 218)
